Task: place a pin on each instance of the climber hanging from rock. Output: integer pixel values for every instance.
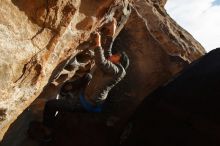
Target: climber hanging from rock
(92, 89)
(110, 70)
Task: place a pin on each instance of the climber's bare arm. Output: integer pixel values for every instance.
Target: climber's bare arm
(96, 40)
(111, 28)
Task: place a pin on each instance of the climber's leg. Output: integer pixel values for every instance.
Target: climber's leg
(85, 80)
(52, 108)
(76, 85)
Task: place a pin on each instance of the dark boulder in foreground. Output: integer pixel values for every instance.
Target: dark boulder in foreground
(184, 112)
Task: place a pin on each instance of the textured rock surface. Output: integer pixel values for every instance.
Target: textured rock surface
(38, 37)
(160, 2)
(156, 51)
(175, 40)
(183, 112)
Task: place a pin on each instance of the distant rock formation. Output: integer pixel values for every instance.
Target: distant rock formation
(185, 111)
(38, 37)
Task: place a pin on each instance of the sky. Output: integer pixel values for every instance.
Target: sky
(201, 18)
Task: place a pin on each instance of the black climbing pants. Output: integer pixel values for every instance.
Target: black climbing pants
(55, 107)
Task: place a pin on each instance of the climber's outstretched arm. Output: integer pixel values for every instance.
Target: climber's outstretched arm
(100, 60)
(104, 64)
(109, 33)
(107, 46)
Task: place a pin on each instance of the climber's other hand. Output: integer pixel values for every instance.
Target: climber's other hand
(96, 39)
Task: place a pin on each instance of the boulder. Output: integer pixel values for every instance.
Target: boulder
(39, 38)
(158, 49)
(184, 111)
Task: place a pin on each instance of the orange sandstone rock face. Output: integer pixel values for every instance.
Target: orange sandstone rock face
(160, 2)
(173, 38)
(158, 49)
(36, 36)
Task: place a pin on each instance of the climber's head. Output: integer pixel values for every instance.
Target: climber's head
(115, 58)
(121, 58)
(110, 28)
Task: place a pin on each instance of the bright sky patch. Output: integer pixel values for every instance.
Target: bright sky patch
(216, 2)
(201, 18)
